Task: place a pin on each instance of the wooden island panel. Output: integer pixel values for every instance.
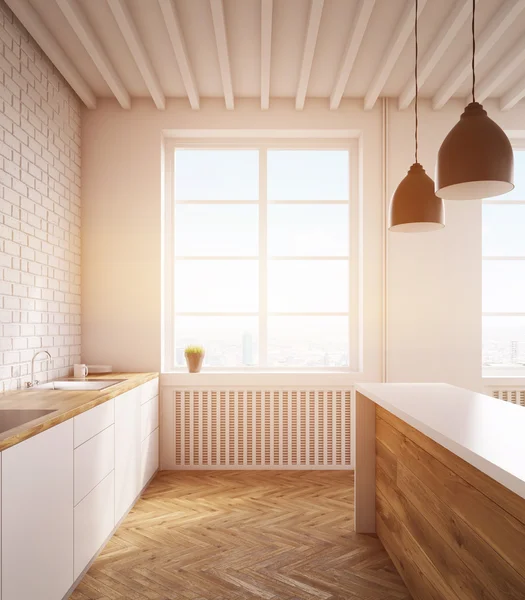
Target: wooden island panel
(453, 532)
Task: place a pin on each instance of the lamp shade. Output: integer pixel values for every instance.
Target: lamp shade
(415, 206)
(475, 160)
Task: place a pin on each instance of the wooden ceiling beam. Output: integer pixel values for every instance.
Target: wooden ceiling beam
(440, 44)
(88, 38)
(266, 51)
(131, 36)
(171, 20)
(30, 19)
(513, 96)
(359, 26)
(219, 25)
(505, 67)
(485, 42)
(395, 46)
(314, 20)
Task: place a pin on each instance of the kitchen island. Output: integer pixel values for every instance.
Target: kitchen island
(440, 477)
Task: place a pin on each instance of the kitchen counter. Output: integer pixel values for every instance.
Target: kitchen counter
(486, 432)
(66, 404)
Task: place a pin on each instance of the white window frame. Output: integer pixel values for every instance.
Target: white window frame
(342, 140)
(491, 372)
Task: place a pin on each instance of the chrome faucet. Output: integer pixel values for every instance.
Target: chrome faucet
(33, 381)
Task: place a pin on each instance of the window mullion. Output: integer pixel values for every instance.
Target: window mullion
(355, 281)
(263, 258)
(168, 263)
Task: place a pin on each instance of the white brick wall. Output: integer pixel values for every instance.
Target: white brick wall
(39, 210)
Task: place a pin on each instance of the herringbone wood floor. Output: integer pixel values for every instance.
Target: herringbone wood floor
(243, 535)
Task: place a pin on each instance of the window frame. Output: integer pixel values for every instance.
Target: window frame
(354, 256)
(502, 371)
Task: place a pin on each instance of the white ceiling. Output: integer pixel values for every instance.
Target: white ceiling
(282, 48)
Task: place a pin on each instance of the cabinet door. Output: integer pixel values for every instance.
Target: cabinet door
(149, 390)
(149, 417)
(0, 526)
(91, 422)
(94, 521)
(150, 457)
(37, 516)
(127, 451)
(94, 460)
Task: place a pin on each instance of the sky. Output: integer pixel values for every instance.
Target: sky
(229, 230)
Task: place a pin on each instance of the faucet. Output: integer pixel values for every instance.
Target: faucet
(33, 381)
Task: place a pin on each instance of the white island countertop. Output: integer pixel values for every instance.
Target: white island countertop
(486, 432)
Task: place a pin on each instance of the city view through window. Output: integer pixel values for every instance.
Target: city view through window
(262, 265)
(504, 278)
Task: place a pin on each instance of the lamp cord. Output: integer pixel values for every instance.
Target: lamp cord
(473, 50)
(416, 82)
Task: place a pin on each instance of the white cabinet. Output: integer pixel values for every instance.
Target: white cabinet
(91, 422)
(150, 457)
(149, 417)
(149, 390)
(136, 443)
(127, 451)
(94, 460)
(94, 522)
(0, 526)
(37, 516)
(150, 439)
(94, 493)
(63, 491)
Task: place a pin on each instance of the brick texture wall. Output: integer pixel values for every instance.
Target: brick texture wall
(39, 211)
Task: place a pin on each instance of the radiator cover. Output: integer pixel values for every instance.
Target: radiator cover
(514, 395)
(257, 429)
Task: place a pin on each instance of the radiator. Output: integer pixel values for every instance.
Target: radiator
(514, 395)
(257, 429)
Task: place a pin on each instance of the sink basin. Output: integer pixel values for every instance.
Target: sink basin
(78, 384)
(10, 418)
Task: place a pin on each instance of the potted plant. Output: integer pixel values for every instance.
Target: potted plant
(194, 356)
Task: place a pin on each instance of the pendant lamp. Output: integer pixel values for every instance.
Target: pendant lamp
(475, 160)
(415, 206)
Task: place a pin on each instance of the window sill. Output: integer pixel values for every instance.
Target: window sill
(254, 371)
(227, 379)
(504, 380)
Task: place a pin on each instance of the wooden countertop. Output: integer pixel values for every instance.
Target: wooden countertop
(67, 404)
(485, 432)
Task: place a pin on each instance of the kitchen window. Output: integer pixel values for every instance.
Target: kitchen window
(263, 264)
(504, 277)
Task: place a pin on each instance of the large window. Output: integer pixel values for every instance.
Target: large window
(504, 278)
(264, 255)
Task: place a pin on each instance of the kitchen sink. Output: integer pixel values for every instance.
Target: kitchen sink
(10, 418)
(78, 384)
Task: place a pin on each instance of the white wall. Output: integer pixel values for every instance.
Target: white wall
(433, 280)
(121, 152)
(39, 209)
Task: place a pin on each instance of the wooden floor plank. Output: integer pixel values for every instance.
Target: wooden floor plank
(211, 535)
